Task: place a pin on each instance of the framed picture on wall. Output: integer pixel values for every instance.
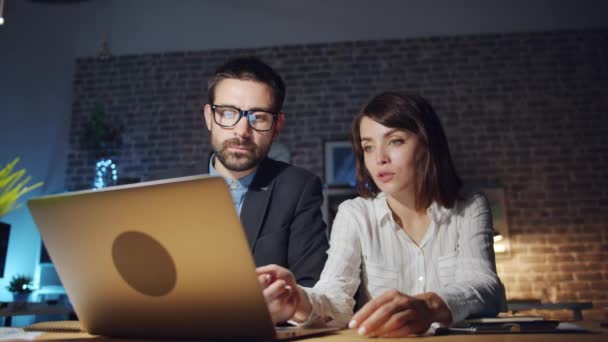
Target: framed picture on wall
(339, 163)
(332, 197)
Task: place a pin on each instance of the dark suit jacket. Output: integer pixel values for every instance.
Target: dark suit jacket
(282, 218)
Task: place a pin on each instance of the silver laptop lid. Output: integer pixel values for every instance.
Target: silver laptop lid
(157, 259)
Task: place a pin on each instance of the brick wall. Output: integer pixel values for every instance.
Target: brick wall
(524, 111)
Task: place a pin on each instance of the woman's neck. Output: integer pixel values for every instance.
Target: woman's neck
(413, 221)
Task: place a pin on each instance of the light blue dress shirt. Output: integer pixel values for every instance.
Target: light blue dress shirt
(238, 188)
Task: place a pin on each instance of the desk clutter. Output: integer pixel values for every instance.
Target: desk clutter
(512, 325)
(56, 326)
(535, 304)
(10, 309)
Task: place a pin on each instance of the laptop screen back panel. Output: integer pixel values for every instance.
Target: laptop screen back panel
(168, 259)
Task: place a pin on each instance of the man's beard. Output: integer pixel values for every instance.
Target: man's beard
(240, 161)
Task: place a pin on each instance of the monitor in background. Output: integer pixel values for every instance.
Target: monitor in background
(5, 232)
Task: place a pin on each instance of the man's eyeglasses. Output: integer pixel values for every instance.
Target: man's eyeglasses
(228, 116)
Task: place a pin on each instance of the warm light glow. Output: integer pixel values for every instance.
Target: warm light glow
(500, 248)
(1, 11)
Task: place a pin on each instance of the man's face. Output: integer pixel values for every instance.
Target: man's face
(241, 148)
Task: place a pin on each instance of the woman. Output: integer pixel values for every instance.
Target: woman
(420, 246)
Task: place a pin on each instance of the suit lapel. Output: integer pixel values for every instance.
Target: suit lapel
(256, 202)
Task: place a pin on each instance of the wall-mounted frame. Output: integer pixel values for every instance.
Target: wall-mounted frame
(332, 197)
(498, 205)
(339, 163)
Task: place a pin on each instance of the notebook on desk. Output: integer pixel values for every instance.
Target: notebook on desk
(163, 259)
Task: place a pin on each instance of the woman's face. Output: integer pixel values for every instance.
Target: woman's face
(390, 156)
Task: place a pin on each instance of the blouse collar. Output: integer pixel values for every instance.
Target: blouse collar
(435, 211)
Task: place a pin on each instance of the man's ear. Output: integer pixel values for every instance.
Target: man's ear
(208, 116)
(278, 126)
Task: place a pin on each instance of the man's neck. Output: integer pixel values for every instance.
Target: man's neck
(226, 173)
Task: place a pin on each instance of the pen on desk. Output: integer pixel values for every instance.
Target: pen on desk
(447, 331)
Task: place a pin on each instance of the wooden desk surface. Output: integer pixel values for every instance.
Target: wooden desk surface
(349, 335)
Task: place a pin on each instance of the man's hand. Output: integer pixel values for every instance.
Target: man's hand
(282, 294)
(395, 314)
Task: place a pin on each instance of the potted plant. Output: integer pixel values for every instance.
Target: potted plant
(103, 137)
(21, 287)
(102, 134)
(12, 187)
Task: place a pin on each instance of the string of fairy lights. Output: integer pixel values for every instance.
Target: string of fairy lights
(106, 173)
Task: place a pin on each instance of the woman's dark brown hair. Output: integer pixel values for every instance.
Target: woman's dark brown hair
(436, 177)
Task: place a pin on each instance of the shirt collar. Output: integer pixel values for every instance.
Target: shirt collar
(383, 212)
(436, 212)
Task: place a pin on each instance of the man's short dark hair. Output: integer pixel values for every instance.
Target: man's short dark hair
(249, 68)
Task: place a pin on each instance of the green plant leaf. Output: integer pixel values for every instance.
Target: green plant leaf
(12, 187)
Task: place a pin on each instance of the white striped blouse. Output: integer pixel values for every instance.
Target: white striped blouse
(455, 259)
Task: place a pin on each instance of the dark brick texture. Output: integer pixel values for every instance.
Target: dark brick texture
(524, 111)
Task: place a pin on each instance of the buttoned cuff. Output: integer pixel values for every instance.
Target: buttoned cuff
(313, 320)
(456, 302)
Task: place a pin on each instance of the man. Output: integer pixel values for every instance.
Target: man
(279, 204)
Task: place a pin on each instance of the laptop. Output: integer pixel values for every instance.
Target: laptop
(161, 259)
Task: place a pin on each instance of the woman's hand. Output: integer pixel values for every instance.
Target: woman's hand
(395, 314)
(284, 298)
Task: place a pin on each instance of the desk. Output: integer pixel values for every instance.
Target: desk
(350, 335)
(10, 309)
